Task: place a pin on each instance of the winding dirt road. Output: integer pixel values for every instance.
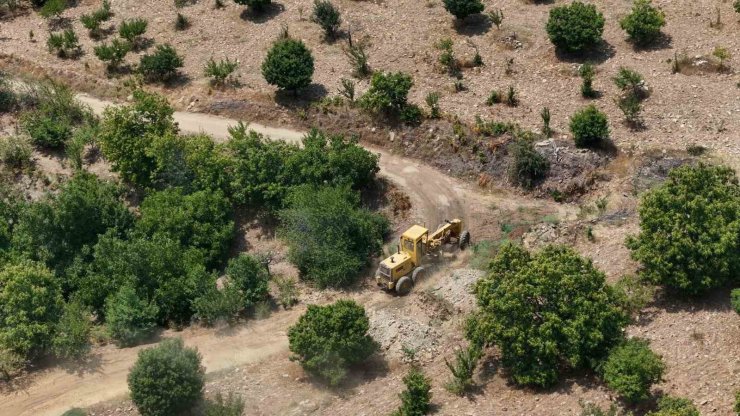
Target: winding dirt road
(52, 391)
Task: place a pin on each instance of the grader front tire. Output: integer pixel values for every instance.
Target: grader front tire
(404, 285)
(464, 239)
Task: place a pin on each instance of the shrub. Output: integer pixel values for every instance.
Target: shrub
(75, 412)
(432, 100)
(462, 371)
(287, 291)
(214, 305)
(181, 22)
(72, 332)
(92, 24)
(586, 71)
(735, 300)
(126, 135)
(45, 130)
(576, 27)
(511, 99)
(288, 65)
(329, 237)
(112, 54)
(257, 6)
(631, 369)
(327, 16)
(589, 127)
(358, 59)
(545, 114)
(494, 98)
(326, 340)
(635, 293)
(11, 363)
(30, 305)
(736, 5)
(675, 406)
(129, 319)
(388, 92)
(630, 82)
(447, 57)
(546, 312)
(16, 151)
(631, 108)
(705, 200)
(737, 394)
(201, 220)
(8, 98)
(643, 24)
(411, 114)
(251, 277)
(220, 71)
(463, 8)
(722, 54)
(497, 17)
(416, 398)
(233, 405)
(132, 30)
(162, 65)
(167, 379)
(65, 44)
(52, 8)
(528, 166)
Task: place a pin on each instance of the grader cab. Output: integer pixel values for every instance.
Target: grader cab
(400, 271)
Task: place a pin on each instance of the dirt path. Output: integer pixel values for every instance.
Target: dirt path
(434, 196)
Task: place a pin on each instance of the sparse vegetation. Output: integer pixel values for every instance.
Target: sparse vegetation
(497, 17)
(327, 340)
(589, 127)
(644, 22)
(576, 27)
(463, 369)
(16, 151)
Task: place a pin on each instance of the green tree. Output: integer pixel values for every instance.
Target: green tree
(631, 369)
(216, 304)
(416, 398)
(250, 276)
(575, 27)
(326, 340)
(288, 65)
(201, 220)
(388, 92)
(72, 332)
(162, 65)
(327, 16)
(546, 311)
(127, 133)
(129, 318)
(58, 228)
(690, 230)
(589, 127)
(167, 379)
(463, 8)
(644, 22)
(329, 237)
(675, 406)
(30, 306)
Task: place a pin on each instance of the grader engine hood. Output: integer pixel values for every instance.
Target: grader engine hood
(390, 269)
(395, 260)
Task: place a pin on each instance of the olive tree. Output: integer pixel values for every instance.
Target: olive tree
(167, 379)
(545, 312)
(589, 126)
(288, 65)
(689, 236)
(575, 27)
(463, 8)
(644, 22)
(326, 340)
(631, 369)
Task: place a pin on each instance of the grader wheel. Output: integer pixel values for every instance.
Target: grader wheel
(464, 239)
(403, 286)
(417, 274)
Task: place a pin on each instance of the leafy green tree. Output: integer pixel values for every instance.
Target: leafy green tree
(327, 16)
(127, 132)
(160, 269)
(327, 340)
(167, 379)
(162, 65)
(72, 332)
(675, 406)
(643, 23)
(288, 65)
(330, 238)
(201, 220)
(589, 127)
(250, 276)
(463, 8)
(416, 398)
(631, 369)
(257, 6)
(57, 229)
(546, 311)
(388, 92)
(575, 27)
(30, 306)
(690, 230)
(129, 318)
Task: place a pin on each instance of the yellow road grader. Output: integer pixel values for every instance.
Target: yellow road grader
(400, 271)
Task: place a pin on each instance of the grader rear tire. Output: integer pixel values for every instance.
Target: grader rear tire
(404, 285)
(417, 274)
(464, 239)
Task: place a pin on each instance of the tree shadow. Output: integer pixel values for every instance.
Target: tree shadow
(180, 79)
(142, 44)
(59, 23)
(89, 364)
(474, 25)
(301, 99)
(717, 300)
(268, 13)
(598, 55)
(664, 41)
(374, 368)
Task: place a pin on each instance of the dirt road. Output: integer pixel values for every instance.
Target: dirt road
(434, 195)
